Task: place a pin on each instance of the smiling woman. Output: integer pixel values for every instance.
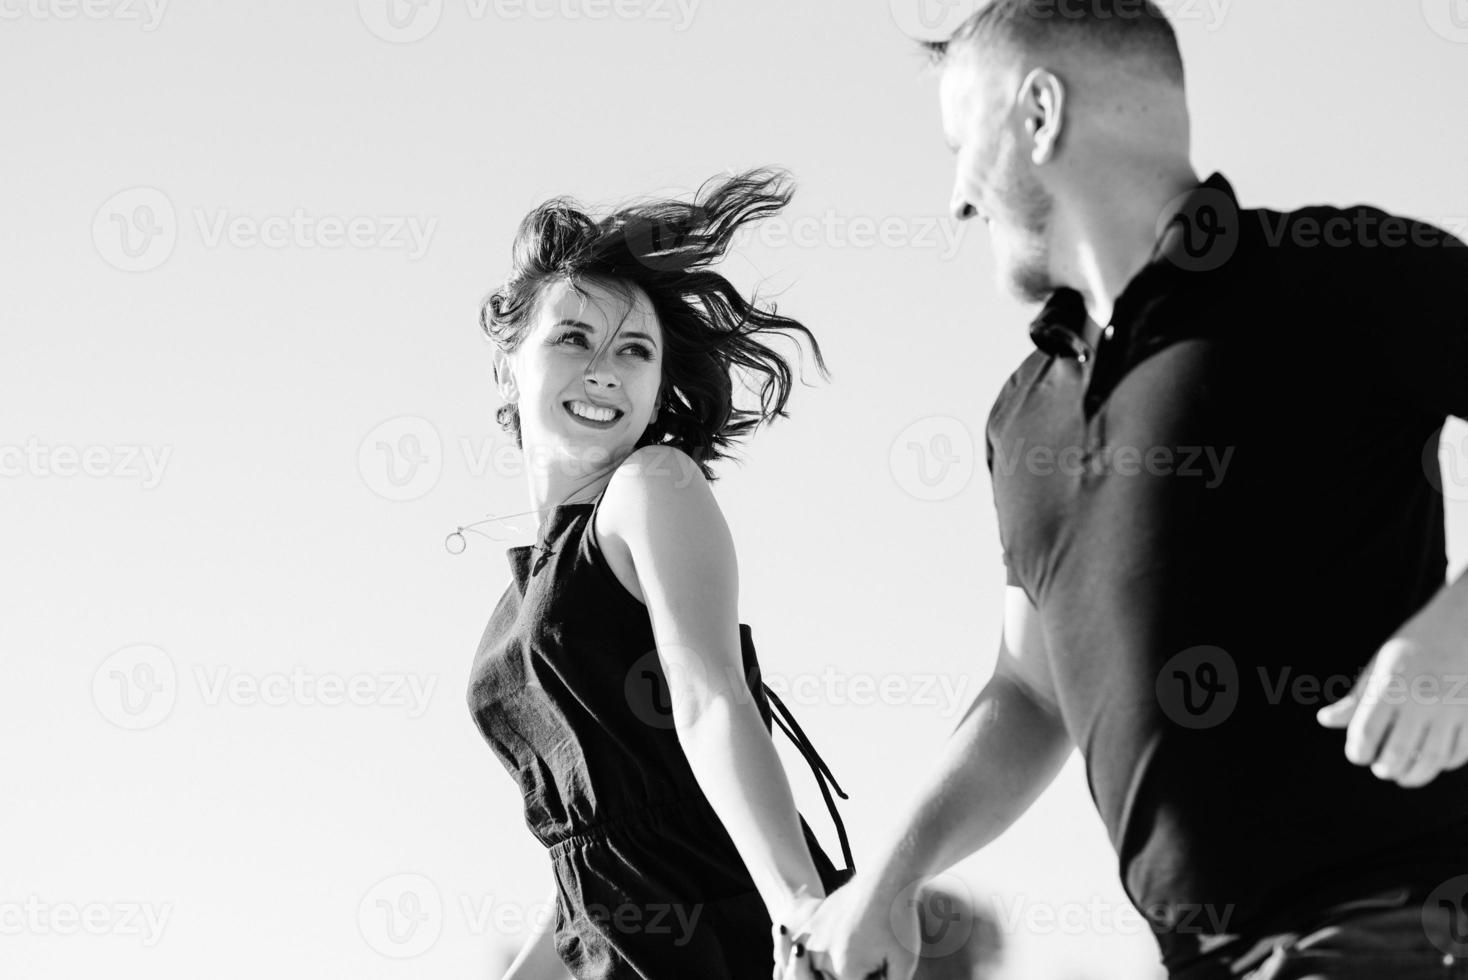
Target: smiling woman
(614, 679)
(650, 263)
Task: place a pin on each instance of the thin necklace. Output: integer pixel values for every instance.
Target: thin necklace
(455, 543)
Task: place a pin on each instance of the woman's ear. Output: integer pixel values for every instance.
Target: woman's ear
(504, 377)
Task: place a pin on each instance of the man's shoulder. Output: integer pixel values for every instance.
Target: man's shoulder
(1351, 261)
(1019, 382)
(1326, 235)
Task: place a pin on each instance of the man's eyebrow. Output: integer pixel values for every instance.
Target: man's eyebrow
(634, 334)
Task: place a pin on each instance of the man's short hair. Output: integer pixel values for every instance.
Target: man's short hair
(1135, 29)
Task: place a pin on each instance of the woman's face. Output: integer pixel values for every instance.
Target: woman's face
(588, 374)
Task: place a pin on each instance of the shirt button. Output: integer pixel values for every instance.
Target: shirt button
(1108, 331)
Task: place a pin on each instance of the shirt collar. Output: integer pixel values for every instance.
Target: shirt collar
(1059, 328)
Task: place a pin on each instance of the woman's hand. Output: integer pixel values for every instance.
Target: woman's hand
(789, 922)
(853, 934)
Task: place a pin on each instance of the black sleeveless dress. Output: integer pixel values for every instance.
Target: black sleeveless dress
(568, 690)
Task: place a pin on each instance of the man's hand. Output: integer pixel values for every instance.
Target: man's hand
(855, 934)
(1407, 716)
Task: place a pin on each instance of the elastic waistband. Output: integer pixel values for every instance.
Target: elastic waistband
(648, 813)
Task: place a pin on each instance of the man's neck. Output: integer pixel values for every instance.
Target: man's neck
(1116, 238)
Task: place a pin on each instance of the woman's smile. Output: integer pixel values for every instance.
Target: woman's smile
(591, 415)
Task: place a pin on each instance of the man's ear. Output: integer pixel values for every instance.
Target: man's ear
(504, 376)
(1042, 100)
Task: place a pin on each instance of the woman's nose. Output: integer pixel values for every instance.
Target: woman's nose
(601, 377)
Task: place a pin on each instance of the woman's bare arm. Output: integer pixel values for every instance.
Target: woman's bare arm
(663, 510)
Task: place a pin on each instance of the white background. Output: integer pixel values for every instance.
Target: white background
(276, 384)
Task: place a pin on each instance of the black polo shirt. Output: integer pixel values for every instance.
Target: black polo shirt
(1221, 513)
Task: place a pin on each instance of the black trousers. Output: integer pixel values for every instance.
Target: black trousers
(1391, 935)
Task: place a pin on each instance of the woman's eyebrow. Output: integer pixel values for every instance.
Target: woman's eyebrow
(634, 334)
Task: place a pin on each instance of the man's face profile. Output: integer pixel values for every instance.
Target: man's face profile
(993, 176)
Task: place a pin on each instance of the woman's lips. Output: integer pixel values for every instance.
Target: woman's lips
(594, 423)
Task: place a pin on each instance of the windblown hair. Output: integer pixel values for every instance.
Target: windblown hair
(1117, 28)
(665, 248)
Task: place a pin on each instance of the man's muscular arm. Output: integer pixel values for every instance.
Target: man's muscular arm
(1002, 755)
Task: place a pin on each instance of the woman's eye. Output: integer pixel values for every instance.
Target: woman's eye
(640, 351)
(572, 336)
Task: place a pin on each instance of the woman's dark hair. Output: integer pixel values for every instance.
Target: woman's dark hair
(665, 248)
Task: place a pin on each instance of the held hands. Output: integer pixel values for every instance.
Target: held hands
(1407, 716)
(853, 934)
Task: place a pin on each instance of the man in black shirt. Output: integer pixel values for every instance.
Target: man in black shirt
(1216, 485)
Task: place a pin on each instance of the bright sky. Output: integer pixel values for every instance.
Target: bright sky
(245, 249)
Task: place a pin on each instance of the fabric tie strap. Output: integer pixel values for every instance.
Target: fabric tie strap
(792, 729)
